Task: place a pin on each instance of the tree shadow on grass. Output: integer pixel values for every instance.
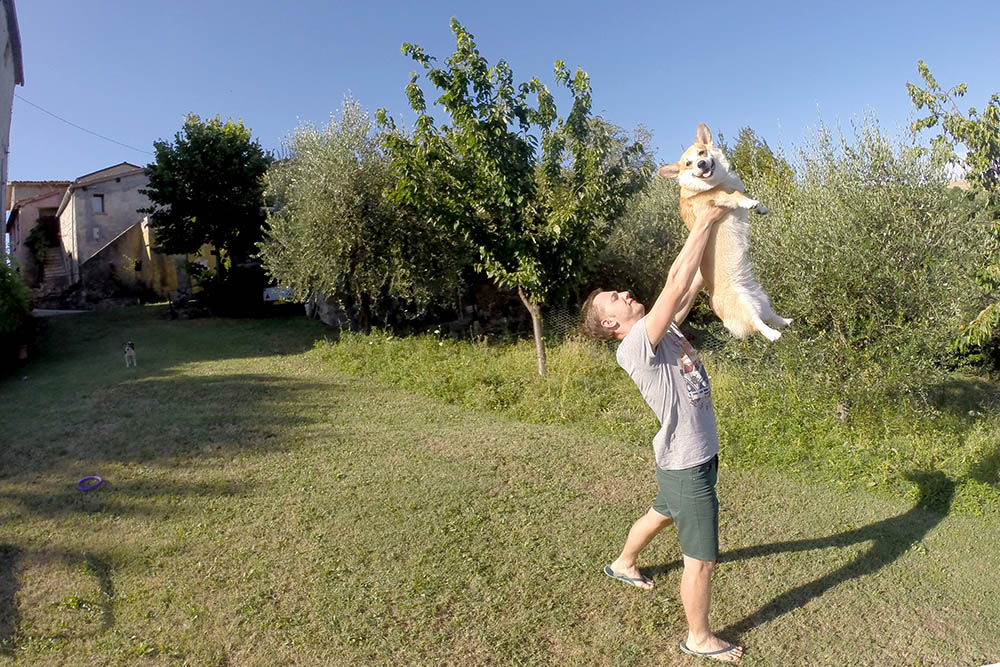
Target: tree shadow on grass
(987, 470)
(148, 499)
(961, 396)
(82, 413)
(100, 568)
(97, 566)
(9, 618)
(193, 425)
(890, 539)
(173, 420)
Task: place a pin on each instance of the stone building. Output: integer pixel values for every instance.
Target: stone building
(35, 203)
(96, 208)
(11, 74)
(102, 246)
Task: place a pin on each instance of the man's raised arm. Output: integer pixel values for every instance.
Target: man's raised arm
(674, 299)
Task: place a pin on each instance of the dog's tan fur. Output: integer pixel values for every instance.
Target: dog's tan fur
(734, 294)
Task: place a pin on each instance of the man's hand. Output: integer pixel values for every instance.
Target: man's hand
(711, 215)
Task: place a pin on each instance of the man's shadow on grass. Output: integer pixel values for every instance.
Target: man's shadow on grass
(890, 539)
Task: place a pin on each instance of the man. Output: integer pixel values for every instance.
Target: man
(673, 382)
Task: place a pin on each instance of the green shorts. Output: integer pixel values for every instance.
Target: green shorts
(688, 497)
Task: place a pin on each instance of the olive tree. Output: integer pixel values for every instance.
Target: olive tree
(334, 232)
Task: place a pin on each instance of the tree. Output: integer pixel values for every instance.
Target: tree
(533, 193)
(207, 187)
(15, 305)
(753, 159)
(334, 232)
(15, 315)
(980, 134)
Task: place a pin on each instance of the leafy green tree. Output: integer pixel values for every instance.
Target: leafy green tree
(14, 300)
(979, 133)
(533, 193)
(15, 314)
(754, 160)
(207, 187)
(334, 232)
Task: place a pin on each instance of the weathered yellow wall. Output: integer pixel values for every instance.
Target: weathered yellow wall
(130, 258)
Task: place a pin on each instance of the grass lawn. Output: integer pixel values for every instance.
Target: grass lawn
(261, 508)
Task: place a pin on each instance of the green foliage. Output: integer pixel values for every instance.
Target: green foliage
(871, 255)
(979, 133)
(334, 232)
(15, 306)
(753, 159)
(585, 388)
(643, 243)
(865, 247)
(200, 275)
(42, 237)
(532, 192)
(207, 187)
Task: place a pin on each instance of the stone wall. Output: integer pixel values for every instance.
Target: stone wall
(85, 231)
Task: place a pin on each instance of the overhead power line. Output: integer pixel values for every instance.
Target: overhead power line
(81, 128)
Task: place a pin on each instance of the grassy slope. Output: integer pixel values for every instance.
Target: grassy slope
(261, 509)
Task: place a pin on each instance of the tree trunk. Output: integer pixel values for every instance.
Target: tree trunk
(536, 325)
(220, 270)
(365, 314)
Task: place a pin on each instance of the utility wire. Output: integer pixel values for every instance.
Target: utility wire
(81, 128)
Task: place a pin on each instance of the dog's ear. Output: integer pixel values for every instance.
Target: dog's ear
(672, 170)
(704, 135)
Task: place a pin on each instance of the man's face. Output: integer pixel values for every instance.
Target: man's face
(619, 311)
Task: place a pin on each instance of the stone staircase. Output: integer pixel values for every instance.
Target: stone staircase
(54, 268)
(55, 278)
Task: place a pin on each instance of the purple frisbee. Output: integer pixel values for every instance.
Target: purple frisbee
(83, 485)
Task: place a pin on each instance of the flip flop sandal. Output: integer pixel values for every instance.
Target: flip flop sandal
(635, 581)
(706, 654)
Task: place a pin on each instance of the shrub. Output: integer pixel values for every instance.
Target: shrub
(872, 255)
(644, 242)
(15, 314)
(14, 300)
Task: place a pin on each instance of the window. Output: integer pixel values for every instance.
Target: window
(98, 203)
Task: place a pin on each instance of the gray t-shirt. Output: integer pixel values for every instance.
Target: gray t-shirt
(674, 383)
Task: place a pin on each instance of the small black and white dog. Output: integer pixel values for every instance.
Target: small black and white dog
(129, 354)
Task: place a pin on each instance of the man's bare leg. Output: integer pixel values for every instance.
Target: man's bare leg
(643, 530)
(696, 594)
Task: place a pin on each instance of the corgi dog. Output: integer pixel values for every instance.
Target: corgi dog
(706, 180)
(129, 354)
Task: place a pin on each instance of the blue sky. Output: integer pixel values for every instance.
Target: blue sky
(131, 69)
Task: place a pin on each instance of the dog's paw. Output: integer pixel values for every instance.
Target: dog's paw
(749, 204)
(761, 209)
(769, 333)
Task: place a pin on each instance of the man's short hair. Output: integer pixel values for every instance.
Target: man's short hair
(590, 319)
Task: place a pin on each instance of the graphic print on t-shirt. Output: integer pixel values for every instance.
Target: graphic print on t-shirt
(693, 372)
